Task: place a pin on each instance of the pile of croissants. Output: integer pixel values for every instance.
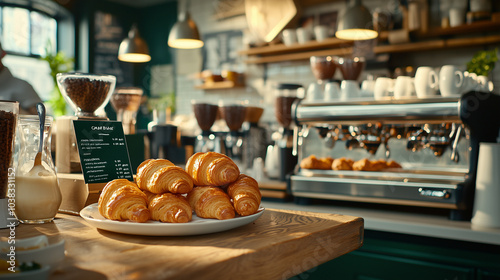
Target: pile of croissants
(328, 163)
(211, 185)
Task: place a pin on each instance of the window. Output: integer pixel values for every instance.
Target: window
(25, 34)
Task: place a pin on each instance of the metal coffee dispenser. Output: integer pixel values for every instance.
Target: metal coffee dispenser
(435, 140)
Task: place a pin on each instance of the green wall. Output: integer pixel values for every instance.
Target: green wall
(154, 25)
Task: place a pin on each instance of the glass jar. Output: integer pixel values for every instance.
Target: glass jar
(38, 196)
(8, 117)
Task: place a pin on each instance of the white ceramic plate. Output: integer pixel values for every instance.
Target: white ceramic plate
(154, 228)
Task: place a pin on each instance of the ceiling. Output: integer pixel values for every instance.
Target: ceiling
(141, 3)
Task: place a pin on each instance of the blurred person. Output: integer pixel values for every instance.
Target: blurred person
(15, 89)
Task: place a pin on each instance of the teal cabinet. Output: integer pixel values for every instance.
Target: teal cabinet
(389, 256)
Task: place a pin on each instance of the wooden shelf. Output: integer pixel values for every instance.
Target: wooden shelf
(397, 48)
(219, 85)
(435, 39)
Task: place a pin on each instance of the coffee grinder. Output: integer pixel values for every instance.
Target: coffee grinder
(234, 114)
(87, 94)
(286, 96)
(205, 114)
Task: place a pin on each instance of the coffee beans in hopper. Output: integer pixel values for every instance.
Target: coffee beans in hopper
(87, 94)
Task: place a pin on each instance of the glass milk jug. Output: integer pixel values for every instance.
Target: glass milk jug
(38, 196)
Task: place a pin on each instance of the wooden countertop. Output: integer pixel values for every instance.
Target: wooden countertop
(278, 245)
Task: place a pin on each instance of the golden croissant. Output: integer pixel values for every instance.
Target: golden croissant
(245, 194)
(212, 169)
(123, 200)
(161, 175)
(211, 202)
(169, 208)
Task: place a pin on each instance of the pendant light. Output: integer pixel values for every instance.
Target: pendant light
(133, 48)
(184, 34)
(356, 23)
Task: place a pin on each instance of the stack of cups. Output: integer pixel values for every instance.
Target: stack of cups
(486, 211)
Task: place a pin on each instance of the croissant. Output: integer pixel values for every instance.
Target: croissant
(169, 208)
(312, 162)
(211, 202)
(212, 169)
(161, 175)
(123, 200)
(245, 194)
(342, 164)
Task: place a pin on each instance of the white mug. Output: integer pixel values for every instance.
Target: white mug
(485, 85)
(383, 88)
(403, 87)
(486, 208)
(332, 91)
(367, 88)
(304, 35)
(451, 80)
(314, 92)
(289, 37)
(426, 82)
(349, 89)
(457, 17)
(320, 32)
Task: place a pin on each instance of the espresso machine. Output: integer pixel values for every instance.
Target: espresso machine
(435, 140)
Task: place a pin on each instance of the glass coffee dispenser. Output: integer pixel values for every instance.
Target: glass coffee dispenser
(286, 95)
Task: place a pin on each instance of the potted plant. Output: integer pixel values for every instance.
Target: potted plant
(483, 62)
(58, 63)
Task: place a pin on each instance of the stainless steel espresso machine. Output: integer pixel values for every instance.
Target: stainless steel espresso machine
(435, 140)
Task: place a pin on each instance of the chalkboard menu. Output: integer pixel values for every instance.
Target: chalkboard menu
(103, 151)
(108, 34)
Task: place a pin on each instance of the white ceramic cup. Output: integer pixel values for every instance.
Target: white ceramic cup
(383, 88)
(304, 35)
(289, 37)
(470, 82)
(368, 88)
(320, 32)
(314, 92)
(451, 80)
(457, 17)
(403, 87)
(332, 91)
(486, 210)
(485, 85)
(426, 82)
(349, 90)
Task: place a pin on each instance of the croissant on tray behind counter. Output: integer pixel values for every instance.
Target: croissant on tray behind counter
(211, 202)
(212, 169)
(312, 162)
(169, 208)
(245, 194)
(161, 175)
(123, 200)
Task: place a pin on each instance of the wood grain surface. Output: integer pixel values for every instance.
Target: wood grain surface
(278, 245)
